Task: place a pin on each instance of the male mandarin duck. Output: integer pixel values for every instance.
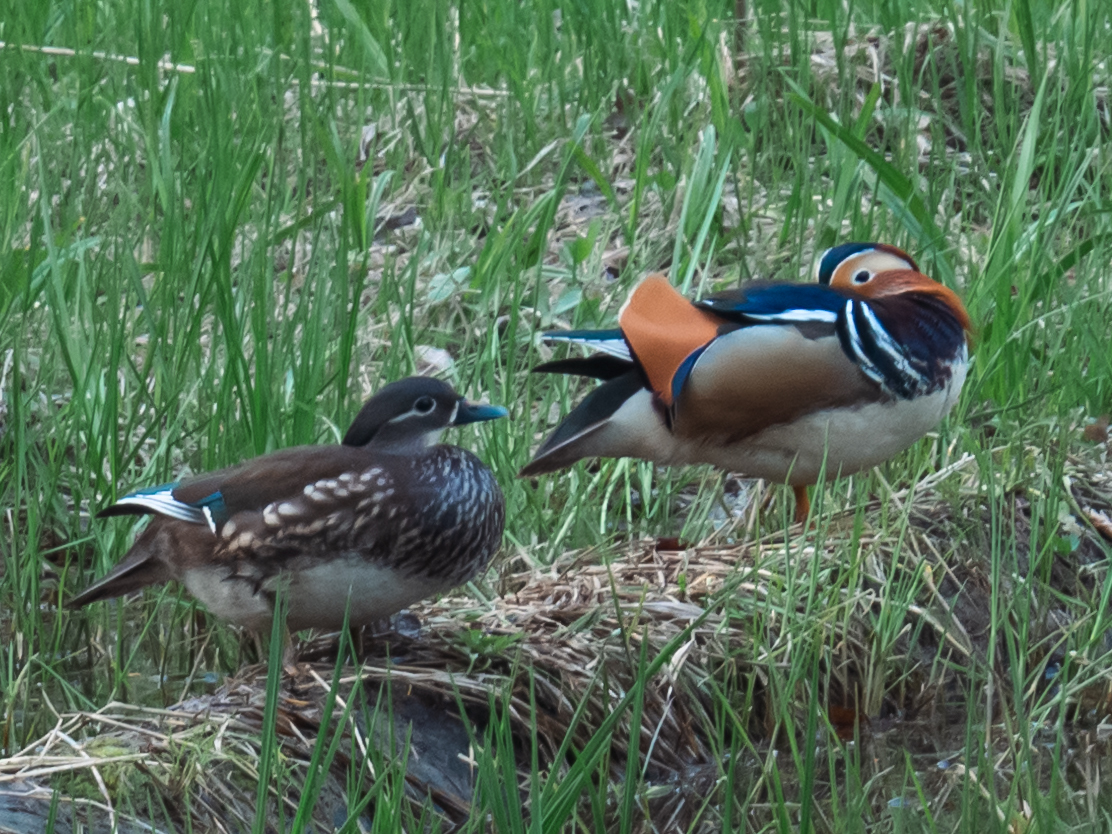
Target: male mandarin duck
(771, 380)
(384, 520)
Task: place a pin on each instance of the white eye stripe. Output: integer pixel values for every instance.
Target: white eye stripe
(872, 261)
(413, 412)
(854, 265)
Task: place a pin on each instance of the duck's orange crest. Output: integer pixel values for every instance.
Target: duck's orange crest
(663, 328)
(899, 281)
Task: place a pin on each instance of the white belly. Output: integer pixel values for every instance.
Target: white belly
(317, 595)
(847, 440)
(234, 600)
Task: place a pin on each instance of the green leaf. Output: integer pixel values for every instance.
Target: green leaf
(899, 193)
(370, 44)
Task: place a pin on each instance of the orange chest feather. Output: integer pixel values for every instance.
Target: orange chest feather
(663, 328)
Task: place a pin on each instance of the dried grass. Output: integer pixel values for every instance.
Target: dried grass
(566, 637)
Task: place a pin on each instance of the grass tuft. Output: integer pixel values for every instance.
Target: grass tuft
(223, 226)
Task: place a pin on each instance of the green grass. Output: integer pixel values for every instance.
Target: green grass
(197, 266)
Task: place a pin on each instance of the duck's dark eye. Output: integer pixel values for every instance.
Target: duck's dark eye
(862, 277)
(424, 405)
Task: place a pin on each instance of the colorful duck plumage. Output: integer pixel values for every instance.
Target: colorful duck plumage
(777, 381)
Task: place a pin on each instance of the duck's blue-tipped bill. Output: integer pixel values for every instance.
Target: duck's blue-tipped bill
(478, 413)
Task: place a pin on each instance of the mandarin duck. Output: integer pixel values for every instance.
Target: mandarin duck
(780, 381)
(371, 526)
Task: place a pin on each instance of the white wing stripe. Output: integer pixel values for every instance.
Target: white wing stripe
(614, 347)
(163, 503)
(867, 367)
(803, 315)
(209, 520)
(890, 348)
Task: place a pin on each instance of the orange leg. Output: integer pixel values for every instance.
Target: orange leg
(802, 504)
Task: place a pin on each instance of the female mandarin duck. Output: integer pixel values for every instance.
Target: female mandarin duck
(384, 520)
(771, 380)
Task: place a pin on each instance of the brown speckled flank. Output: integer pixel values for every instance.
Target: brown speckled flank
(367, 527)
